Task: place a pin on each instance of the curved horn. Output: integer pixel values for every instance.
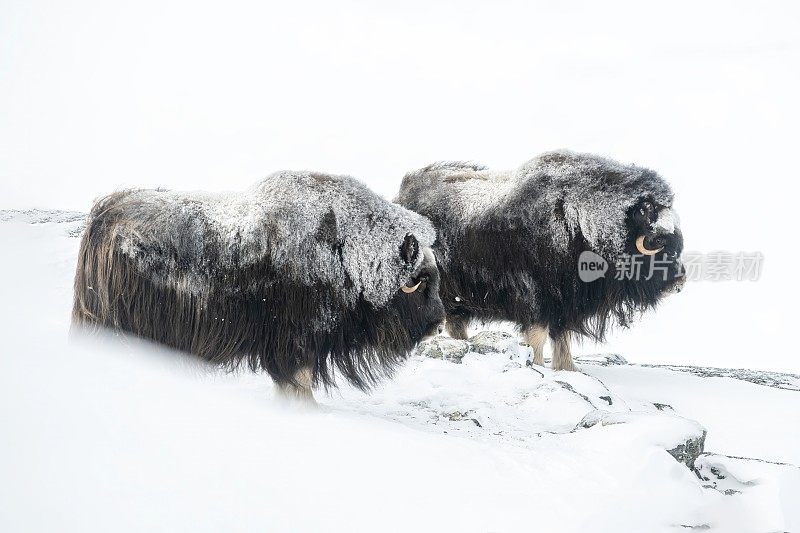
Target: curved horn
(408, 290)
(640, 246)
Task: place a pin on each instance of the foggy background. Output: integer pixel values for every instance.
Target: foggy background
(186, 95)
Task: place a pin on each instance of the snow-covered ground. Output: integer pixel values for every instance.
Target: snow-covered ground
(97, 96)
(102, 435)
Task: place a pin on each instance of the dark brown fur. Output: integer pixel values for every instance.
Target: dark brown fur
(251, 316)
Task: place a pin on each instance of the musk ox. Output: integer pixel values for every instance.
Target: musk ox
(303, 275)
(509, 244)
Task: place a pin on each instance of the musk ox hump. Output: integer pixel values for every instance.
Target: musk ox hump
(453, 191)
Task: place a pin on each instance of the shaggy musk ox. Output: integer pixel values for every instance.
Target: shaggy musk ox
(509, 244)
(303, 275)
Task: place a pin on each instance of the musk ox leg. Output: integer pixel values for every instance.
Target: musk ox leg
(457, 326)
(562, 356)
(536, 336)
(298, 390)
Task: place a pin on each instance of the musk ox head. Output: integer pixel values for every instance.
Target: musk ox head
(417, 303)
(658, 242)
(624, 214)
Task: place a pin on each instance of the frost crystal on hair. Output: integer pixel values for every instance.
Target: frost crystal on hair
(558, 195)
(308, 227)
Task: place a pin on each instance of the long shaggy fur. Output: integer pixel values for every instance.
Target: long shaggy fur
(509, 241)
(302, 271)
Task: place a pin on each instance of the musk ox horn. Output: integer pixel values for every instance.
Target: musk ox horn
(643, 250)
(408, 290)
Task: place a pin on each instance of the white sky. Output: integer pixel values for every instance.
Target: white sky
(95, 96)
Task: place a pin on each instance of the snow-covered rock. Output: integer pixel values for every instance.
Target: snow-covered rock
(765, 492)
(681, 438)
(73, 222)
(776, 380)
(608, 359)
(545, 401)
(495, 342)
(446, 348)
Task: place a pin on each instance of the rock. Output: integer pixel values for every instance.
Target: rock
(445, 348)
(775, 380)
(688, 452)
(73, 221)
(682, 438)
(570, 388)
(605, 359)
(598, 416)
(494, 342)
(457, 416)
(751, 479)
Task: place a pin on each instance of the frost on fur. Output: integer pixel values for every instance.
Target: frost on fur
(586, 193)
(300, 275)
(509, 243)
(310, 227)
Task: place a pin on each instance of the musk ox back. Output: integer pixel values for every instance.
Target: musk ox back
(509, 244)
(303, 275)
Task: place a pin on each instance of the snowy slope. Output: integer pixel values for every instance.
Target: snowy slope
(100, 436)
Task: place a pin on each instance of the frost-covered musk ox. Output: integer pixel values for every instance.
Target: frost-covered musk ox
(509, 243)
(303, 275)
